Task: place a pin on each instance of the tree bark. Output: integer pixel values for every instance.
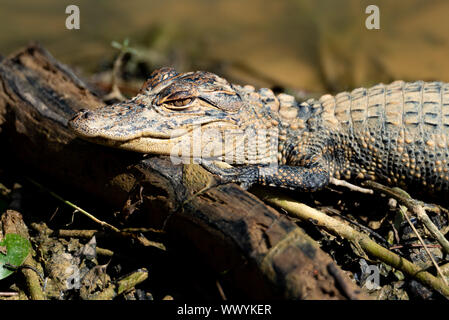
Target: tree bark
(264, 254)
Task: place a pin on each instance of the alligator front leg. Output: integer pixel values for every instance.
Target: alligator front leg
(311, 178)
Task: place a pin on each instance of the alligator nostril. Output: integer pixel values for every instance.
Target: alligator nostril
(86, 114)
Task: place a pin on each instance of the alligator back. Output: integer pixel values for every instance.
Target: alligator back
(397, 132)
(417, 107)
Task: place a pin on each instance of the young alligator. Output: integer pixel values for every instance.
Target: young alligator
(397, 133)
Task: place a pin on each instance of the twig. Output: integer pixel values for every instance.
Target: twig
(413, 206)
(87, 214)
(395, 233)
(32, 277)
(415, 245)
(445, 268)
(221, 291)
(403, 210)
(143, 230)
(86, 234)
(107, 294)
(444, 230)
(132, 233)
(369, 230)
(424, 218)
(132, 280)
(305, 213)
(115, 91)
(104, 252)
(350, 186)
(9, 294)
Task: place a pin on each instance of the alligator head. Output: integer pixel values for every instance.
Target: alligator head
(166, 112)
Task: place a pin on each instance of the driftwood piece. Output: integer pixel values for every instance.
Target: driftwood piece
(262, 253)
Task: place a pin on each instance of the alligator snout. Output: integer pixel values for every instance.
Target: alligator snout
(78, 122)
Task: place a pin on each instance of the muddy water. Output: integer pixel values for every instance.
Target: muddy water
(316, 45)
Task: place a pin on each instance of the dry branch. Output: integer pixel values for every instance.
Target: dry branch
(373, 249)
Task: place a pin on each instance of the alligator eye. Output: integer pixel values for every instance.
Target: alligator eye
(178, 104)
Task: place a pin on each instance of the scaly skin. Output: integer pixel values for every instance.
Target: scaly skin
(396, 133)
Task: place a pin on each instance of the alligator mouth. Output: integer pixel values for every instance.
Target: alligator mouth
(162, 146)
(159, 142)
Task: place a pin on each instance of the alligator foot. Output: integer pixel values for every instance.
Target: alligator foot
(244, 176)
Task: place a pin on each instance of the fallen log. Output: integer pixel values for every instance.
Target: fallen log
(264, 254)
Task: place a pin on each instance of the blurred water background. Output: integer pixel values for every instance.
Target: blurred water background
(313, 45)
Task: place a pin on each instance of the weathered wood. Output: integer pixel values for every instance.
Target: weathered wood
(263, 253)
